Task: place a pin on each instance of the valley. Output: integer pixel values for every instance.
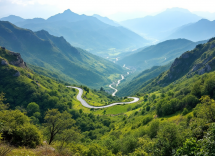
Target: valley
(75, 84)
(85, 104)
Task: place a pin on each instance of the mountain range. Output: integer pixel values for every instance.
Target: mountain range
(83, 31)
(162, 24)
(40, 48)
(201, 30)
(158, 54)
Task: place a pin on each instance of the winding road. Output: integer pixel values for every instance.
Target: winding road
(85, 104)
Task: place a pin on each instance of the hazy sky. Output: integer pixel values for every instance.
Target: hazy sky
(46, 8)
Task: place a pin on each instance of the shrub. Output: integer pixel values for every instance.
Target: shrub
(185, 111)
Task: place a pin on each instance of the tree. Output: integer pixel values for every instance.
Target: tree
(148, 108)
(67, 136)
(153, 96)
(2, 105)
(190, 148)
(57, 122)
(207, 110)
(168, 138)
(32, 108)
(101, 89)
(153, 128)
(17, 129)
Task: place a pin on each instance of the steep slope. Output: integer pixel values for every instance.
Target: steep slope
(196, 62)
(201, 30)
(86, 32)
(57, 55)
(158, 54)
(136, 83)
(21, 86)
(161, 25)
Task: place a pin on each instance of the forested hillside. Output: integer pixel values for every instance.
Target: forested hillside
(57, 55)
(173, 117)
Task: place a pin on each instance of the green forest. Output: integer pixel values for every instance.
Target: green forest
(174, 116)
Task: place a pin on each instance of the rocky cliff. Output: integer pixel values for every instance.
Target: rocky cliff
(14, 58)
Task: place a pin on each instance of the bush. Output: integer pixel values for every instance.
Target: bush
(185, 111)
(27, 135)
(147, 119)
(17, 129)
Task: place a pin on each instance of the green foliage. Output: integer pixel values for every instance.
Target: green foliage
(2, 105)
(147, 108)
(57, 55)
(190, 148)
(27, 135)
(169, 138)
(185, 111)
(147, 119)
(17, 129)
(32, 108)
(153, 129)
(208, 109)
(56, 122)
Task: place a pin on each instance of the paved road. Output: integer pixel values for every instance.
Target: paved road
(85, 104)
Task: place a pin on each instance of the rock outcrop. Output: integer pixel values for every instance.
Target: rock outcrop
(19, 62)
(4, 62)
(17, 74)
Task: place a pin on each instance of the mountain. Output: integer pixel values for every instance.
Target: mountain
(158, 54)
(13, 19)
(106, 20)
(201, 30)
(57, 55)
(161, 25)
(86, 32)
(198, 61)
(145, 76)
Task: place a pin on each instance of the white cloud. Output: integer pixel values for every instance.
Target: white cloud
(107, 7)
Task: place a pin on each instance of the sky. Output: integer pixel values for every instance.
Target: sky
(110, 8)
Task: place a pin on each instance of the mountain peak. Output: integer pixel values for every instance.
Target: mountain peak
(203, 20)
(68, 11)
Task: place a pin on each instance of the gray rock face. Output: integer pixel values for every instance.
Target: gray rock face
(202, 71)
(196, 67)
(19, 62)
(4, 63)
(17, 74)
(208, 68)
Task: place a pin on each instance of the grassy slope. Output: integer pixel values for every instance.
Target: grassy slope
(58, 56)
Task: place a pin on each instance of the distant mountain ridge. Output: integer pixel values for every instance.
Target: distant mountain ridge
(83, 31)
(161, 25)
(159, 54)
(201, 30)
(57, 55)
